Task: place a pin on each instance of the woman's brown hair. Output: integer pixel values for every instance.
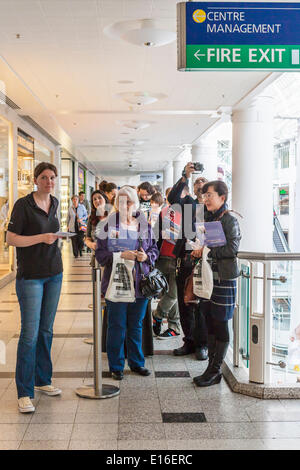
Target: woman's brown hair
(44, 166)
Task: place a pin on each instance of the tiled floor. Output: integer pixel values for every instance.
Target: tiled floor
(150, 412)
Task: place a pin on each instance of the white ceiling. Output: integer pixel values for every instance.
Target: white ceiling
(73, 69)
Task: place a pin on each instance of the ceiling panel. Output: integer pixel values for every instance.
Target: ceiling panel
(73, 69)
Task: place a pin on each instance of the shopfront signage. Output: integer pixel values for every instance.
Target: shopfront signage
(80, 176)
(238, 36)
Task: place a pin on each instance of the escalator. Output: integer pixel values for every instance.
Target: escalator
(280, 245)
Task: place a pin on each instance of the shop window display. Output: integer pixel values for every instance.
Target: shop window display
(25, 164)
(4, 197)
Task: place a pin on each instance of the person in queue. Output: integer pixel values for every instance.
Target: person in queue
(220, 308)
(156, 202)
(98, 215)
(167, 306)
(125, 320)
(194, 330)
(102, 185)
(84, 202)
(145, 192)
(76, 223)
(32, 229)
(111, 191)
(198, 185)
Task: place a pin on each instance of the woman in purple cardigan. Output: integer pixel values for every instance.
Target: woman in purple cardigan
(125, 319)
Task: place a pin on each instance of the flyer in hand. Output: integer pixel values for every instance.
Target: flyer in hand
(122, 240)
(214, 234)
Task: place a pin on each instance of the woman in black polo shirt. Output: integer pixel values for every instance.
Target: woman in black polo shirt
(32, 229)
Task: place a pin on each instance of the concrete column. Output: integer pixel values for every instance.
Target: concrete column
(177, 170)
(252, 164)
(181, 160)
(205, 152)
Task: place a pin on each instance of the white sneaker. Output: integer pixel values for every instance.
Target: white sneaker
(25, 405)
(49, 390)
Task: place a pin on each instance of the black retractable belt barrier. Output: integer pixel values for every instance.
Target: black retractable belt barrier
(98, 390)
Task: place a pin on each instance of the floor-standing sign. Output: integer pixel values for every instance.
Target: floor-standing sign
(242, 36)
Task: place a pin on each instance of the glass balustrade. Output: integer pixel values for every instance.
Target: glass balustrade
(267, 335)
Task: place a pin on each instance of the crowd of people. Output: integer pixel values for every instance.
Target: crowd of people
(129, 231)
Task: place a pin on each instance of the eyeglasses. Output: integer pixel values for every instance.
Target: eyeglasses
(208, 195)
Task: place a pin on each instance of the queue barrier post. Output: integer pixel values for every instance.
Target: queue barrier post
(98, 390)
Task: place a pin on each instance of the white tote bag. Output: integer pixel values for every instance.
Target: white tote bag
(203, 283)
(121, 285)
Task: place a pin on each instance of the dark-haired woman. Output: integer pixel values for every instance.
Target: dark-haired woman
(32, 229)
(219, 309)
(98, 214)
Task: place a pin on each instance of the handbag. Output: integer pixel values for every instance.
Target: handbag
(154, 283)
(189, 296)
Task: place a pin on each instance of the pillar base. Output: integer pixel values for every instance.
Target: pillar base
(238, 380)
(108, 391)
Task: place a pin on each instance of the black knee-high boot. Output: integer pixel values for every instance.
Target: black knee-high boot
(211, 345)
(214, 374)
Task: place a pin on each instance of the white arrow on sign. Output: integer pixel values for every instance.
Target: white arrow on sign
(197, 55)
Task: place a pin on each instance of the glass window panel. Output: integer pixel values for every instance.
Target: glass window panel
(4, 197)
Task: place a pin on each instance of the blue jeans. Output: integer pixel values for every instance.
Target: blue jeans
(125, 321)
(38, 299)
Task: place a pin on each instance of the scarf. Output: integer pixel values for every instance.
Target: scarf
(212, 216)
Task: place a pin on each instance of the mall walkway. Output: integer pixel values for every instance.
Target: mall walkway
(140, 418)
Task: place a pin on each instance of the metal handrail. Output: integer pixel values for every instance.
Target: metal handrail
(255, 256)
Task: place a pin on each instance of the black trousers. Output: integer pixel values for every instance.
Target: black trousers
(77, 243)
(191, 316)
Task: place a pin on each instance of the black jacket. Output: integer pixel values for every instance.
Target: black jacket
(186, 203)
(224, 258)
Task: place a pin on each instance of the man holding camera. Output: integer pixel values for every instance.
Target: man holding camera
(191, 318)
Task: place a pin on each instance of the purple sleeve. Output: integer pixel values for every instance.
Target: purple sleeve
(103, 255)
(152, 250)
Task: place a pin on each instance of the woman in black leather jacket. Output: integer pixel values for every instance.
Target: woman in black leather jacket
(219, 309)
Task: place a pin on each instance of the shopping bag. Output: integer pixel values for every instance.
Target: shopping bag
(121, 286)
(203, 277)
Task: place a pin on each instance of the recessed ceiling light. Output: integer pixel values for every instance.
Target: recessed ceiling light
(142, 32)
(136, 125)
(140, 98)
